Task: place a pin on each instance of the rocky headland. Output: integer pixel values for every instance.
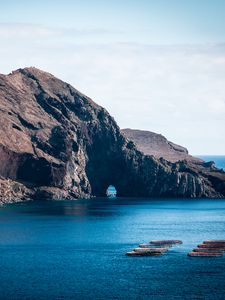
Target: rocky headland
(151, 143)
(56, 143)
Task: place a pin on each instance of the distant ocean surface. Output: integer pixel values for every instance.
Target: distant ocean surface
(218, 159)
(76, 249)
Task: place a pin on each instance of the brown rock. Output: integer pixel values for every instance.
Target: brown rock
(56, 143)
(155, 144)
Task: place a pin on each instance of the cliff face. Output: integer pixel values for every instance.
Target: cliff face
(151, 143)
(57, 143)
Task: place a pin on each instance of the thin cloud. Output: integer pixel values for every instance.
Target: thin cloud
(29, 31)
(176, 90)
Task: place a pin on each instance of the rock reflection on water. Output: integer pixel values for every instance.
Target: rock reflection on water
(93, 207)
(96, 207)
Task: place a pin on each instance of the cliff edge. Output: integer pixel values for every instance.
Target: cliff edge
(56, 143)
(155, 144)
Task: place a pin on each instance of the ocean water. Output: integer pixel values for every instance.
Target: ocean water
(76, 249)
(218, 159)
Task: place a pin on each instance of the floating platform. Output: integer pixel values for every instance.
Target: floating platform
(214, 242)
(212, 246)
(208, 250)
(205, 254)
(154, 246)
(166, 242)
(147, 253)
(143, 250)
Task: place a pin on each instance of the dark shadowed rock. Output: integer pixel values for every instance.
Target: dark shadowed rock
(57, 143)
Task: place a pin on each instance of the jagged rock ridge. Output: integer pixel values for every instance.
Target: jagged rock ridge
(57, 143)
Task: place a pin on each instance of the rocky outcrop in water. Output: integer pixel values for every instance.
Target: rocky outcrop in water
(56, 143)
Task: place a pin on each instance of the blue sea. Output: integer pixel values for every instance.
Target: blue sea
(218, 159)
(76, 249)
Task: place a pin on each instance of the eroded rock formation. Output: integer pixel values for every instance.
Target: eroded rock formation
(57, 143)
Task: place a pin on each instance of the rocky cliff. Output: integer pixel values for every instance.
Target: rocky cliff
(56, 143)
(155, 144)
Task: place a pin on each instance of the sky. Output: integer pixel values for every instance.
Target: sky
(157, 65)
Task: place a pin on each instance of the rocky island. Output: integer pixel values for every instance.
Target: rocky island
(56, 143)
